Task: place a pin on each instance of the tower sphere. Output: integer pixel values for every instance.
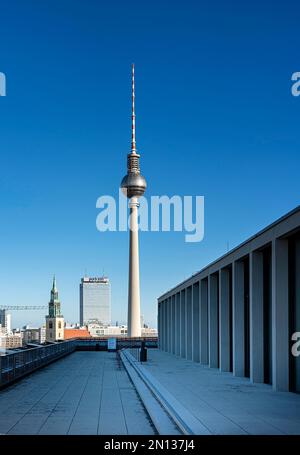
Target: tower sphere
(133, 185)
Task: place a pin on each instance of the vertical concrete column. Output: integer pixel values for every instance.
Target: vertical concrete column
(134, 316)
(158, 324)
(238, 296)
(224, 325)
(213, 321)
(161, 326)
(189, 323)
(165, 324)
(204, 321)
(170, 324)
(173, 324)
(196, 323)
(182, 324)
(280, 314)
(177, 335)
(256, 282)
(296, 325)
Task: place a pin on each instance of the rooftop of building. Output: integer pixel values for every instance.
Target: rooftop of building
(70, 333)
(102, 279)
(94, 395)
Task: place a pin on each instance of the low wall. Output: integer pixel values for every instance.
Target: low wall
(16, 365)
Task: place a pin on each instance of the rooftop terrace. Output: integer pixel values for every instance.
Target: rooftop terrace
(86, 392)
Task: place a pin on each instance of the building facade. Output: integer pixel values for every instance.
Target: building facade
(79, 332)
(34, 335)
(241, 313)
(98, 330)
(95, 301)
(54, 320)
(5, 321)
(10, 341)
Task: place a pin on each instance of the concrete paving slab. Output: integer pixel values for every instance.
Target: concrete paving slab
(83, 393)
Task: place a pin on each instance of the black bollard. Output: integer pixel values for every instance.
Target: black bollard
(143, 352)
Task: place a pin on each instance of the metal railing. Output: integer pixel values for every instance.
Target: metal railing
(86, 344)
(17, 364)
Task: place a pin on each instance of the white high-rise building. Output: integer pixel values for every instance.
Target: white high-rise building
(95, 301)
(8, 324)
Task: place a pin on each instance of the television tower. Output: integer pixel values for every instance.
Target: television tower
(133, 186)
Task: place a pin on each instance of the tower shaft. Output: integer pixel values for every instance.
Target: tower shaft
(134, 315)
(133, 186)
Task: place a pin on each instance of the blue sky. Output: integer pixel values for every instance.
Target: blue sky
(215, 117)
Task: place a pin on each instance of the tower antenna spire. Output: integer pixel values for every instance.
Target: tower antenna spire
(133, 186)
(133, 145)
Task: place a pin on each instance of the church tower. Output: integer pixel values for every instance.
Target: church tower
(55, 320)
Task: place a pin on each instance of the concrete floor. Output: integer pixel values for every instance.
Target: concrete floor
(222, 403)
(83, 393)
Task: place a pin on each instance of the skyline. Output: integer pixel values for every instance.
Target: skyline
(211, 91)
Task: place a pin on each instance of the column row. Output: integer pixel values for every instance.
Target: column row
(241, 318)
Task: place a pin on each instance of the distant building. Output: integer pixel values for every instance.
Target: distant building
(5, 321)
(42, 334)
(10, 341)
(54, 320)
(72, 326)
(8, 324)
(148, 332)
(3, 315)
(81, 332)
(95, 305)
(34, 335)
(98, 330)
